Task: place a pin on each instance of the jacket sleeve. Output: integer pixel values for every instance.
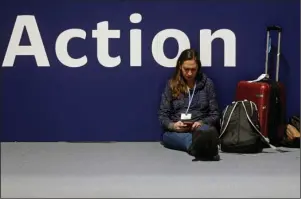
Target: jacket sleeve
(165, 109)
(213, 114)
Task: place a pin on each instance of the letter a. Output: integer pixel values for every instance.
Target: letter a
(36, 48)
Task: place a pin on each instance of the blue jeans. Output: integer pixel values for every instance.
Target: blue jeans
(179, 141)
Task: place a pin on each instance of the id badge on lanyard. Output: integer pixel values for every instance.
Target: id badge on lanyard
(186, 115)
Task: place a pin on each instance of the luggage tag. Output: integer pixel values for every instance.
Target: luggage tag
(261, 77)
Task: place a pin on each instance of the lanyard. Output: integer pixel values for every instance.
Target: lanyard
(190, 98)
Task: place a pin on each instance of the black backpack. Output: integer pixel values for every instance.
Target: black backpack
(240, 129)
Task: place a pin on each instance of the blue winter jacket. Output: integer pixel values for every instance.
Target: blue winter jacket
(204, 106)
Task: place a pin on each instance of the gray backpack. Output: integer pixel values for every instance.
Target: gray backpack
(240, 129)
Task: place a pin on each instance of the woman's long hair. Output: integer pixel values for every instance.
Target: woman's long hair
(177, 82)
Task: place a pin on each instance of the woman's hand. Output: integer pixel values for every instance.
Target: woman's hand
(196, 125)
(181, 127)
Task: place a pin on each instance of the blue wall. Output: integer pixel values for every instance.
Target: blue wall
(97, 103)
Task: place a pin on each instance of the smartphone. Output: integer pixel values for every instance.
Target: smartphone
(188, 122)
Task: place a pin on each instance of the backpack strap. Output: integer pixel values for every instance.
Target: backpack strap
(223, 117)
(223, 124)
(253, 107)
(258, 130)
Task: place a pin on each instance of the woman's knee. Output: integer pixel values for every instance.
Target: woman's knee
(174, 140)
(169, 137)
(212, 130)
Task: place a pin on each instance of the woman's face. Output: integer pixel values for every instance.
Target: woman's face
(189, 69)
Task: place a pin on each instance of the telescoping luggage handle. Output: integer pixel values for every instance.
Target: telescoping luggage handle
(268, 45)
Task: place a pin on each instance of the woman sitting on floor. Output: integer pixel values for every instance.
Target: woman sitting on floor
(188, 111)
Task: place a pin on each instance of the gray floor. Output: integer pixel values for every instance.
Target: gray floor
(142, 170)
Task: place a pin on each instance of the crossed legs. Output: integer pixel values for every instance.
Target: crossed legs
(202, 143)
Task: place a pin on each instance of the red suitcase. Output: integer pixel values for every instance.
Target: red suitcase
(269, 96)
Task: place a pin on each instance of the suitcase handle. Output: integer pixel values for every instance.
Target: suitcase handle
(268, 43)
(278, 28)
